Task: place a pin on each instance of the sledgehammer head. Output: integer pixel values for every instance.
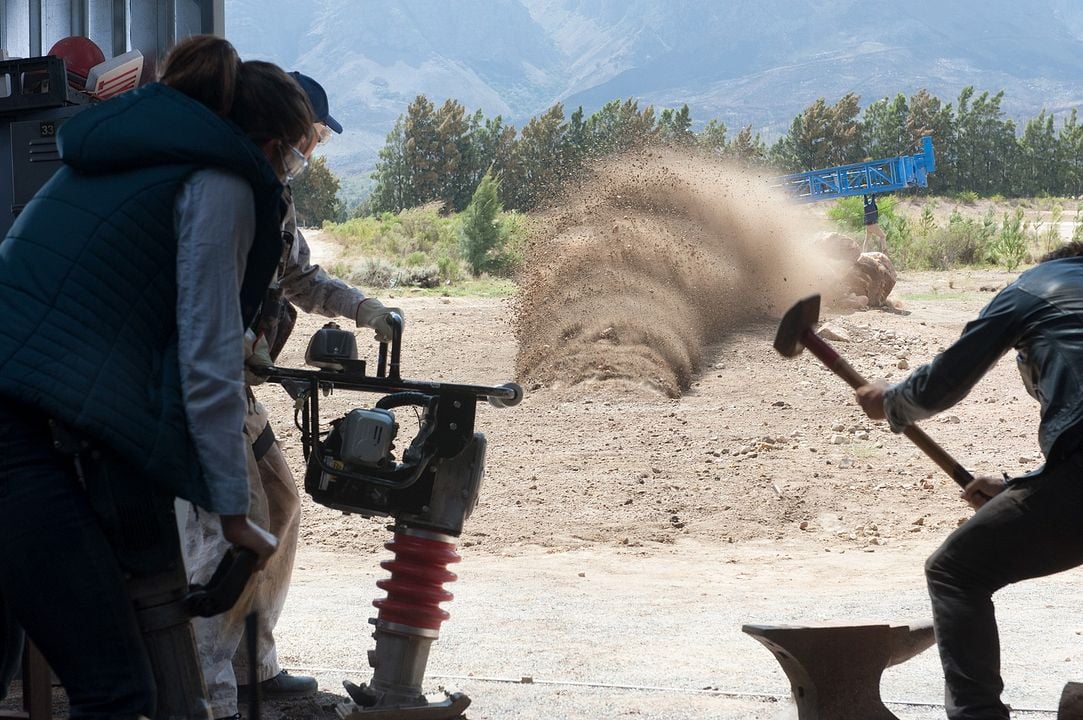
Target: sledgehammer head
(802, 316)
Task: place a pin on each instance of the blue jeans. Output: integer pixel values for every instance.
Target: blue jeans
(60, 578)
(1032, 529)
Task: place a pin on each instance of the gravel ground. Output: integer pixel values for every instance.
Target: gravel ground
(604, 632)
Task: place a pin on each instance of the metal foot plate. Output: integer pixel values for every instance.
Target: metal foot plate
(448, 709)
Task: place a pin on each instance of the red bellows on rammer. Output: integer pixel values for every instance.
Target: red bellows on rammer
(416, 586)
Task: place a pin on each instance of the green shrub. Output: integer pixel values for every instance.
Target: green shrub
(972, 238)
(849, 212)
(1010, 247)
(972, 241)
(339, 269)
(988, 229)
(374, 272)
(397, 237)
(420, 247)
(1077, 232)
(449, 269)
(513, 234)
(481, 236)
(1047, 238)
(927, 222)
(380, 273)
(963, 242)
(427, 276)
(901, 246)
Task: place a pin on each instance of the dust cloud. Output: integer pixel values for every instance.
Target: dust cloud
(653, 259)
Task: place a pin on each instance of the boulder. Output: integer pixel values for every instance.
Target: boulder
(873, 276)
(837, 246)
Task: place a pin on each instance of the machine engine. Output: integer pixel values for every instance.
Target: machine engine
(429, 488)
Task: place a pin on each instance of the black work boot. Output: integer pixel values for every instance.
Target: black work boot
(282, 685)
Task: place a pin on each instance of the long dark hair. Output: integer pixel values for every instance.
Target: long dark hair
(258, 96)
(205, 68)
(1072, 249)
(270, 105)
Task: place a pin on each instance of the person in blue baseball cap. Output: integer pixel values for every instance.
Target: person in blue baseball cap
(317, 96)
(272, 487)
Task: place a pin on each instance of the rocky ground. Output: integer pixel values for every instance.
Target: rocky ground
(758, 448)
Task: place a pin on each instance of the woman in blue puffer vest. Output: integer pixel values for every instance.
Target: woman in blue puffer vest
(125, 288)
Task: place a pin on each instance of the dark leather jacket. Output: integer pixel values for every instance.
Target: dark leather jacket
(1041, 316)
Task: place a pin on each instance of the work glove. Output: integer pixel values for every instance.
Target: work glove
(241, 531)
(372, 313)
(257, 354)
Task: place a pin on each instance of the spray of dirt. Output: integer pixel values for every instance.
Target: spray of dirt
(654, 259)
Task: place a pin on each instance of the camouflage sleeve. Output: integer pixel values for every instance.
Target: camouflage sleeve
(311, 288)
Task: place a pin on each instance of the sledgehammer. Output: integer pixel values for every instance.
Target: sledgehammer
(795, 332)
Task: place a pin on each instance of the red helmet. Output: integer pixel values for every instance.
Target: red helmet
(79, 54)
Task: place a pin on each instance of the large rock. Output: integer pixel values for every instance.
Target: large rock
(873, 276)
(865, 279)
(837, 246)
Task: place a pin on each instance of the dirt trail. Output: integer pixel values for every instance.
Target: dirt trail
(657, 256)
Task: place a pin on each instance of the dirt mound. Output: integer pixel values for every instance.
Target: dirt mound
(656, 257)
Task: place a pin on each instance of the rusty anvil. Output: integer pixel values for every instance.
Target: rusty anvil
(796, 332)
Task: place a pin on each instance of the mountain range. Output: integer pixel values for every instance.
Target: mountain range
(757, 63)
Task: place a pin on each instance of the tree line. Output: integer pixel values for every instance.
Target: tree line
(978, 149)
(440, 154)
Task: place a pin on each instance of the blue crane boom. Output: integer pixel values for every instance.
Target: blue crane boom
(864, 178)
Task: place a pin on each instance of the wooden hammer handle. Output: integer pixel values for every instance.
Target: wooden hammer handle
(834, 362)
(938, 455)
(838, 365)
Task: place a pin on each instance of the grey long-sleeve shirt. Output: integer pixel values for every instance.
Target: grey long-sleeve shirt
(214, 218)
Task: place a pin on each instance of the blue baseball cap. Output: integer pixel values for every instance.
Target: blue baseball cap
(317, 97)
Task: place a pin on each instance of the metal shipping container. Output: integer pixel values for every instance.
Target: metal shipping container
(29, 28)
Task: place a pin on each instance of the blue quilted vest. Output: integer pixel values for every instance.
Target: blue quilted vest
(88, 277)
